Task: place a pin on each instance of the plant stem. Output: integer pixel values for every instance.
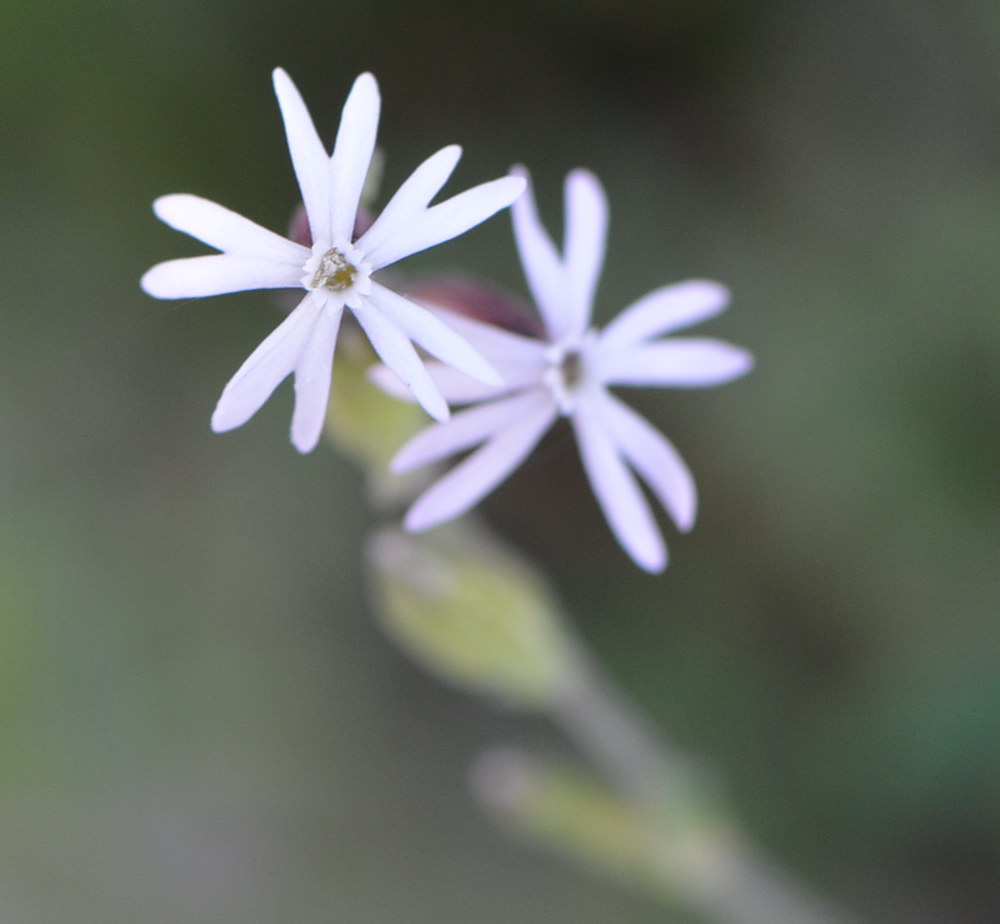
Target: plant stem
(739, 885)
(619, 739)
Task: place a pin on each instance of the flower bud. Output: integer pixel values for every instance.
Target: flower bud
(472, 612)
(682, 856)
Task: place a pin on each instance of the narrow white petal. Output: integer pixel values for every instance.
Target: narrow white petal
(309, 157)
(682, 362)
(312, 381)
(396, 351)
(458, 388)
(664, 310)
(464, 430)
(618, 493)
(586, 236)
(383, 377)
(194, 277)
(520, 361)
(543, 268)
(446, 220)
(654, 457)
(410, 199)
(517, 353)
(352, 155)
(473, 478)
(455, 387)
(224, 230)
(266, 366)
(430, 332)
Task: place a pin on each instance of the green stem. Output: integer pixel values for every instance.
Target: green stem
(620, 741)
(739, 886)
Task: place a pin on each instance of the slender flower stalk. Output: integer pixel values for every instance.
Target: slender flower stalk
(568, 373)
(336, 271)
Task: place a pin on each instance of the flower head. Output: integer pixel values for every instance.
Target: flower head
(568, 374)
(336, 271)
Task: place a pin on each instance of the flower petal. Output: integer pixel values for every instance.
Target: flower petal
(586, 236)
(617, 492)
(430, 332)
(664, 310)
(396, 351)
(446, 220)
(464, 430)
(309, 157)
(217, 274)
(682, 362)
(520, 361)
(352, 156)
(455, 387)
(517, 354)
(543, 268)
(266, 367)
(312, 381)
(410, 199)
(654, 457)
(474, 478)
(458, 388)
(224, 230)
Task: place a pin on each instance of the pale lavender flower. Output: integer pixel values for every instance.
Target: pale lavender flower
(568, 374)
(336, 271)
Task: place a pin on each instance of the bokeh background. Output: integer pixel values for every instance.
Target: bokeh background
(199, 718)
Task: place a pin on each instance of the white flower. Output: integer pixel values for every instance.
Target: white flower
(336, 271)
(568, 375)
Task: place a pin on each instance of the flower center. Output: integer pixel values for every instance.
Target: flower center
(567, 373)
(571, 369)
(334, 272)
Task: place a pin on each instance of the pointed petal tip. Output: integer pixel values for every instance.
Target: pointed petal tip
(488, 374)
(281, 80)
(742, 363)
(157, 282)
(450, 153)
(161, 203)
(650, 555)
(714, 291)
(518, 186)
(219, 424)
(365, 84)
(654, 565)
(305, 444)
(448, 157)
(416, 520)
(144, 283)
(436, 407)
(684, 519)
(406, 460)
(397, 464)
(170, 208)
(652, 560)
(520, 172)
(585, 180)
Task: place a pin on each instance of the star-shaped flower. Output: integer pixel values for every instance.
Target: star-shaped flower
(336, 271)
(568, 374)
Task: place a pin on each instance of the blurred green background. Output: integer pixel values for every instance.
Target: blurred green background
(199, 719)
